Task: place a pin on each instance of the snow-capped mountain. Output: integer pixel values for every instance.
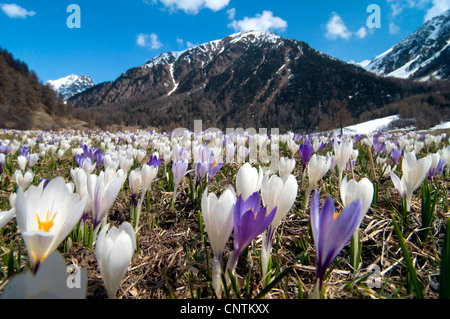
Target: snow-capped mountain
(257, 79)
(423, 55)
(71, 85)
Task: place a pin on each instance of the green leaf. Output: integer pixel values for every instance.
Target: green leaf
(427, 210)
(273, 283)
(407, 259)
(444, 276)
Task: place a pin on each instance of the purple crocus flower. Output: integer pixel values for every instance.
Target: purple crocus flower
(438, 169)
(379, 147)
(155, 161)
(2, 162)
(331, 231)
(396, 153)
(200, 170)
(306, 150)
(249, 221)
(213, 168)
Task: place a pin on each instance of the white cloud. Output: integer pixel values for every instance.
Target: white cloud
(180, 41)
(336, 28)
(231, 13)
(194, 6)
(393, 28)
(12, 10)
(439, 7)
(149, 40)
(261, 22)
(190, 44)
(361, 33)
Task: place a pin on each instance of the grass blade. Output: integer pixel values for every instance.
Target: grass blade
(408, 261)
(444, 276)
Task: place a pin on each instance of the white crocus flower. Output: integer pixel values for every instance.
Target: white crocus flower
(103, 190)
(280, 193)
(46, 217)
(114, 250)
(343, 149)
(135, 182)
(217, 216)
(317, 167)
(351, 191)
(286, 166)
(22, 162)
(23, 180)
(38, 286)
(414, 172)
(248, 180)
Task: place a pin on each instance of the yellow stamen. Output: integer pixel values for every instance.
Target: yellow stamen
(47, 224)
(215, 163)
(336, 214)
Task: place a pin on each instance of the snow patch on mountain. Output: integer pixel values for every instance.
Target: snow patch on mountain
(70, 85)
(415, 56)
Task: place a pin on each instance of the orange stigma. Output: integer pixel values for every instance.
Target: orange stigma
(336, 214)
(47, 224)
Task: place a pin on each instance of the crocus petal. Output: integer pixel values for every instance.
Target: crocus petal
(341, 231)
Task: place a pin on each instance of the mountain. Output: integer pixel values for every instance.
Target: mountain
(71, 85)
(423, 55)
(247, 79)
(26, 103)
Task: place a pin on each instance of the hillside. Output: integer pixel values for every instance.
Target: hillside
(252, 79)
(25, 103)
(423, 55)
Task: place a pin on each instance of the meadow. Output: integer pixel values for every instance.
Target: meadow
(150, 215)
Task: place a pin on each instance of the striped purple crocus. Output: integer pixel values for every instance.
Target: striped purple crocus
(331, 232)
(249, 221)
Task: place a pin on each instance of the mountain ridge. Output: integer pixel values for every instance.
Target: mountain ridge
(248, 78)
(422, 56)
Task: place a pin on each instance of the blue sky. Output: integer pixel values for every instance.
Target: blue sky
(117, 35)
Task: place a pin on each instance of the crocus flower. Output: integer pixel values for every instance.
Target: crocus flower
(331, 232)
(437, 165)
(218, 220)
(396, 153)
(343, 151)
(135, 183)
(2, 162)
(279, 194)
(350, 191)
(6, 216)
(22, 162)
(103, 190)
(200, 171)
(38, 286)
(179, 170)
(155, 160)
(23, 180)
(46, 217)
(213, 169)
(286, 166)
(318, 166)
(249, 221)
(248, 180)
(114, 249)
(305, 150)
(414, 172)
